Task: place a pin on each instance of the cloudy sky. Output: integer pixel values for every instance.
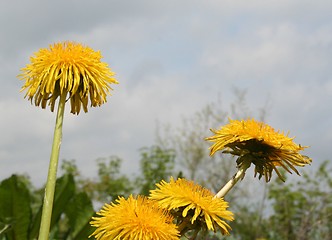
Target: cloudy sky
(171, 59)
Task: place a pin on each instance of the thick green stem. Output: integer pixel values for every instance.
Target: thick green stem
(183, 226)
(231, 183)
(52, 170)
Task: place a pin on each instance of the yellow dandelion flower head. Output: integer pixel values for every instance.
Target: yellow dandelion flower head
(193, 202)
(67, 68)
(134, 219)
(265, 147)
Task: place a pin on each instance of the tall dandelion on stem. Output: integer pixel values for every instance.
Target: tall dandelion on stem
(65, 70)
(259, 144)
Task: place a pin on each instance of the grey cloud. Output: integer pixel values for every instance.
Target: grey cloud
(171, 58)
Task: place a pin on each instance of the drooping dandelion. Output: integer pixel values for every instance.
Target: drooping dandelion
(193, 206)
(259, 144)
(134, 219)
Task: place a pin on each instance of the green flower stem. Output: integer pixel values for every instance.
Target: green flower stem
(183, 226)
(51, 178)
(231, 183)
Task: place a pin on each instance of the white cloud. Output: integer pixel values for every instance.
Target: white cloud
(171, 58)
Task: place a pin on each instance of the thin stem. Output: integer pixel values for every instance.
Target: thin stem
(231, 183)
(52, 170)
(183, 225)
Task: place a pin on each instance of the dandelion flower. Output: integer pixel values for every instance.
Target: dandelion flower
(266, 148)
(190, 201)
(67, 68)
(134, 219)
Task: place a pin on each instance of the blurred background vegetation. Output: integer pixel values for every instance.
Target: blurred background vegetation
(299, 209)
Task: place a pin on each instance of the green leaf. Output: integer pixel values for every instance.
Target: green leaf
(15, 211)
(64, 191)
(79, 212)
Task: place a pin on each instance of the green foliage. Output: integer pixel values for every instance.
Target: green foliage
(70, 167)
(19, 222)
(300, 210)
(295, 210)
(15, 211)
(156, 164)
(79, 210)
(248, 223)
(303, 210)
(110, 183)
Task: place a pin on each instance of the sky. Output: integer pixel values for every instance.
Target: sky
(171, 58)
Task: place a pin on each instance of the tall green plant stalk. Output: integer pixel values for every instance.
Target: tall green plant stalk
(52, 172)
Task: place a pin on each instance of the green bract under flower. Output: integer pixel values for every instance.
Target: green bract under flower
(67, 68)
